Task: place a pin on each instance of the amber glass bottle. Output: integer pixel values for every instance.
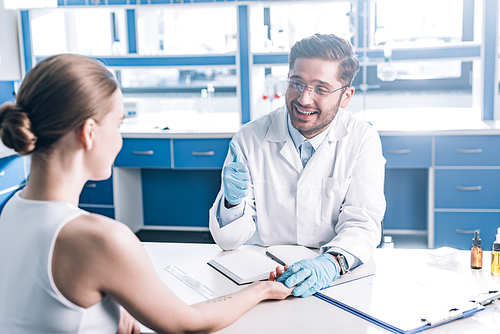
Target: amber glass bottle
(476, 253)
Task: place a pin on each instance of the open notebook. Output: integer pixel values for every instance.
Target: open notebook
(246, 266)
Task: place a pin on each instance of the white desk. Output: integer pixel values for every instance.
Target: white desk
(302, 315)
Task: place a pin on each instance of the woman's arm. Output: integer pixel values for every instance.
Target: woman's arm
(116, 264)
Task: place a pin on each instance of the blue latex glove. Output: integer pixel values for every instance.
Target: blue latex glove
(235, 176)
(315, 274)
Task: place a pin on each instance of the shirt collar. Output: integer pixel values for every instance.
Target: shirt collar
(298, 138)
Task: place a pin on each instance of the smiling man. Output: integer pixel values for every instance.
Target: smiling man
(308, 173)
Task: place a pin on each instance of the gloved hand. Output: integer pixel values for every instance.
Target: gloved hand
(235, 176)
(314, 274)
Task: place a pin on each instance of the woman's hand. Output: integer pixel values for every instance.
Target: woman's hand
(274, 276)
(276, 290)
(128, 324)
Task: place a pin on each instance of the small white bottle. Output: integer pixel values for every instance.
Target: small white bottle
(388, 242)
(210, 102)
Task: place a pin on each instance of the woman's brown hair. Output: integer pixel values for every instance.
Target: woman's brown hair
(56, 96)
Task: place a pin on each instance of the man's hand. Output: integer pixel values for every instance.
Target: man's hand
(311, 275)
(235, 177)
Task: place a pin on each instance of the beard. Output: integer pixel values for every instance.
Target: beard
(311, 128)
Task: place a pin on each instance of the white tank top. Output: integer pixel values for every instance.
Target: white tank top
(29, 299)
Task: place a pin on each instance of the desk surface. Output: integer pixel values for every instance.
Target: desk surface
(302, 315)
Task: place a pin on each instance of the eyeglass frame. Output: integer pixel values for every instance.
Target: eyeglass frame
(312, 90)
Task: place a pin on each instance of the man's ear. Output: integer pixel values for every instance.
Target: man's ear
(87, 133)
(346, 97)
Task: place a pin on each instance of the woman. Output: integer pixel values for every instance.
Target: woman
(65, 270)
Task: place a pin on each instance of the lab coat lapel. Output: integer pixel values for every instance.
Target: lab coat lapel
(337, 132)
(278, 132)
(328, 149)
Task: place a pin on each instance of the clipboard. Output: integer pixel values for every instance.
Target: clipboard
(399, 304)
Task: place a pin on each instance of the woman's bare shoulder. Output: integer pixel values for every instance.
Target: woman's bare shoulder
(95, 233)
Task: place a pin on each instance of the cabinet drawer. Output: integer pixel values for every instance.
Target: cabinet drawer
(466, 189)
(144, 153)
(11, 172)
(456, 229)
(97, 192)
(200, 153)
(407, 151)
(467, 151)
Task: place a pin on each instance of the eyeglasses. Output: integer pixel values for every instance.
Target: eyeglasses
(298, 86)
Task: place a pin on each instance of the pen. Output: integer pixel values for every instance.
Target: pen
(271, 256)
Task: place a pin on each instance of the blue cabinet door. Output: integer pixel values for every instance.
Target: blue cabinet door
(406, 196)
(144, 153)
(179, 197)
(467, 188)
(407, 151)
(468, 150)
(456, 229)
(200, 153)
(97, 192)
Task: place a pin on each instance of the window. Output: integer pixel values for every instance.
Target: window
(416, 23)
(276, 28)
(186, 31)
(91, 32)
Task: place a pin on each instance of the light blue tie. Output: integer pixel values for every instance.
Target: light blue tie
(306, 151)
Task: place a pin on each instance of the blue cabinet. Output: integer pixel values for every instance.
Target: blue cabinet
(467, 189)
(178, 180)
(97, 197)
(432, 182)
(406, 186)
(443, 186)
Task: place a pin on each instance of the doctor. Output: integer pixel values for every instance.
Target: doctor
(308, 173)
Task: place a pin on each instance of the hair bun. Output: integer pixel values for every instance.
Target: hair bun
(15, 129)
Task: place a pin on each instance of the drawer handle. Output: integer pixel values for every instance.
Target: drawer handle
(466, 231)
(406, 151)
(90, 185)
(2, 173)
(208, 153)
(469, 151)
(150, 152)
(469, 188)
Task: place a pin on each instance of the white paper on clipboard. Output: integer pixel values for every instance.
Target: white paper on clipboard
(404, 303)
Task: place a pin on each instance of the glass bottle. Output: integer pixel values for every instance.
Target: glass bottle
(476, 253)
(495, 256)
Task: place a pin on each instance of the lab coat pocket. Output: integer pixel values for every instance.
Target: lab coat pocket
(333, 192)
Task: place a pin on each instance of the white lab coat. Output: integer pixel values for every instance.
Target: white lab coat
(336, 200)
